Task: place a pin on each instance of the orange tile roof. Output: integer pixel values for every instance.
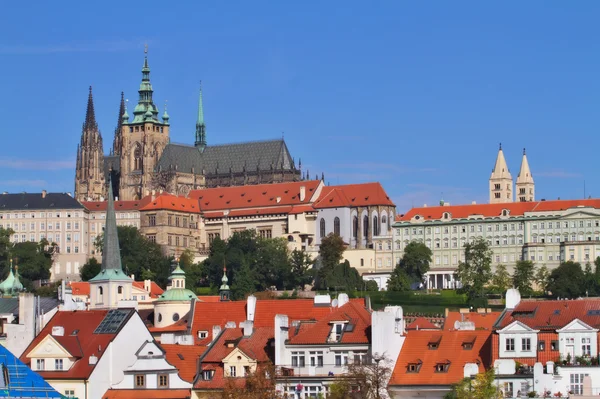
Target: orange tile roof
(258, 196)
(147, 393)
(209, 298)
(553, 315)
(80, 287)
(80, 325)
(319, 332)
(481, 320)
(353, 195)
(171, 202)
(155, 290)
(421, 323)
(100, 206)
(493, 210)
(184, 358)
(450, 349)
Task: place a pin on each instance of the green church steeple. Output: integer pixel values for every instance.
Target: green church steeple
(200, 141)
(145, 110)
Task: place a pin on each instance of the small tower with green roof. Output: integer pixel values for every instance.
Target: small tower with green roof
(175, 301)
(224, 291)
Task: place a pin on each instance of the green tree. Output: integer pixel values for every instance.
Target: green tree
(331, 250)
(541, 277)
(590, 281)
(476, 271)
(501, 279)
(567, 280)
(344, 277)
(399, 280)
(90, 269)
(416, 260)
(34, 259)
(244, 282)
(301, 273)
(371, 286)
(483, 386)
(5, 247)
(523, 276)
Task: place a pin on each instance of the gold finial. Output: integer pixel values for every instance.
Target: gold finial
(145, 48)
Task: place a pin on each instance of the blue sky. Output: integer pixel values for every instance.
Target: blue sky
(416, 95)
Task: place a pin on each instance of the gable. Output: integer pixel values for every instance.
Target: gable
(234, 355)
(517, 327)
(580, 213)
(49, 348)
(150, 349)
(577, 326)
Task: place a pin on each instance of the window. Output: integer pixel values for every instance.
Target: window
(586, 348)
(354, 226)
(336, 226)
(366, 226)
(341, 358)
(120, 289)
(526, 344)
(554, 345)
(375, 225)
(40, 364)
(316, 359)
(413, 367)
(298, 359)
(232, 371)
(361, 358)
(322, 231)
(58, 364)
(576, 381)
(151, 220)
(442, 367)
(152, 237)
(163, 380)
(70, 393)
(541, 346)
(510, 344)
(265, 233)
(140, 381)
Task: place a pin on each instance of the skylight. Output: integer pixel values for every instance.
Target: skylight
(112, 322)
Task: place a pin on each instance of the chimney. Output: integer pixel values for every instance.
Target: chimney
(281, 336)
(216, 330)
(278, 200)
(250, 308)
(302, 193)
(473, 202)
(153, 194)
(58, 331)
(148, 285)
(248, 327)
(44, 192)
(93, 360)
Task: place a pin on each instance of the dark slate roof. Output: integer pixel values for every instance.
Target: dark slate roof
(26, 201)
(220, 158)
(111, 162)
(9, 306)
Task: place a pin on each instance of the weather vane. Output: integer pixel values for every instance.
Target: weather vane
(145, 48)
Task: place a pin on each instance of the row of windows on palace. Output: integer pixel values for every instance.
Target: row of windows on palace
(174, 221)
(31, 215)
(377, 228)
(501, 227)
(33, 226)
(57, 268)
(505, 258)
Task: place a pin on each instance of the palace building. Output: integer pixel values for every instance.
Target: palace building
(143, 159)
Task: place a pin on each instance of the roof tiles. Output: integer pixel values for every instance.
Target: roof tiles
(353, 195)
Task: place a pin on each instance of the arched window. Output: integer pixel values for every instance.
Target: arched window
(355, 226)
(322, 227)
(137, 158)
(375, 225)
(366, 227)
(336, 225)
(100, 291)
(120, 289)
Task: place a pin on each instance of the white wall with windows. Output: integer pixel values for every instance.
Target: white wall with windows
(517, 341)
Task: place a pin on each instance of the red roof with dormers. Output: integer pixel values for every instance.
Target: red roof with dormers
(78, 339)
(452, 349)
(495, 210)
(348, 195)
(553, 315)
(171, 202)
(155, 290)
(258, 196)
(484, 321)
(184, 358)
(421, 323)
(100, 206)
(352, 313)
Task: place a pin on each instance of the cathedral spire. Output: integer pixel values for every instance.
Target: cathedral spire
(501, 182)
(200, 141)
(145, 110)
(118, 137)
(111, 254)
(90, 116)
(525, 183)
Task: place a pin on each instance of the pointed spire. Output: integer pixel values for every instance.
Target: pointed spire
(90, 116)
(501, 168)
(524, 173)
(200, 141)
(145, 109)
(118, 136)
(111, 254)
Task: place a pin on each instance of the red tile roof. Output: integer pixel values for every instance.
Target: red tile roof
(421, 323)
(80, 287)
(450, 349)
(484, 321)
(119, 205)
(493, 210)
(184, 358)
(79, 329)
(353, 195)
(319, 332)
(171, 202)
(258, 196)
(553, 315)
(147, 393)
(155, 290)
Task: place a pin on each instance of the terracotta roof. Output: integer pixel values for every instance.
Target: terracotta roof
(553, 315)
(184, 358)
(450, 350)
(258, 196)
(155, 290)
(421, 323)
(100, 206)
(209, 298)
(318, 333)
(493, 210)
(147, 393)
(249, 212)
(80, 287)
(482, 320)
(80, 325)
(353, 195)
(171, 202)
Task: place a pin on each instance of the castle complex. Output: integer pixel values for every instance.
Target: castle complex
(143, 159)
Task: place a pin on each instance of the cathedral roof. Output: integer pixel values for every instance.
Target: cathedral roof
(34, 201)
(221, 159)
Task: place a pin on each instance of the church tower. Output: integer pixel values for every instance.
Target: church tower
(111, 285)
(200, 141)
(525, 184)
(143, 140)
(89, 170)
(501, 182)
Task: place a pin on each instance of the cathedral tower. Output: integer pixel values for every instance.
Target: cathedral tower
(525, 184)
(501, 182)
(143, 141)
(89, 170)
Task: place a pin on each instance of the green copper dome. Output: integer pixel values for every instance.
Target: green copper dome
(7, 284)
(17, 286)
(177, 294)
(178, 272)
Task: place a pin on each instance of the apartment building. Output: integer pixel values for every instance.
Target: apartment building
(56, 217)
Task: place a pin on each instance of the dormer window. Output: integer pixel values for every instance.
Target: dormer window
(207, 375)
(414, 367)
(434, 342)
(468, 342)
(337, 331)
(202, 334)
(442, 367)
(446, 215)
(505, 212)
